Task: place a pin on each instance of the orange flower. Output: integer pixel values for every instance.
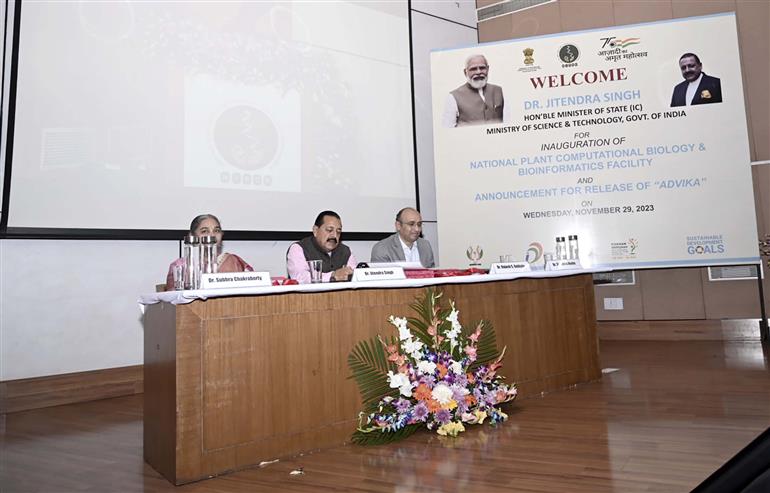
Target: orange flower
(492, 371)
(471, 378)
(442, 371)
(470, 400)
(422, 392)
(433, 405)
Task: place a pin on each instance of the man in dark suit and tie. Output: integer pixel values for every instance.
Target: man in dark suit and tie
(697, 88)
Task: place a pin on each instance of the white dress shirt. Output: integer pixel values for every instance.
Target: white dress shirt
(692, 88)
(410, 254)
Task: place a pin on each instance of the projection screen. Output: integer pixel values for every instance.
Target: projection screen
(140, 115)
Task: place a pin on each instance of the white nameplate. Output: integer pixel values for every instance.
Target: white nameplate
(509, 267)
(563, 265)
(379, 274)
(235, 280)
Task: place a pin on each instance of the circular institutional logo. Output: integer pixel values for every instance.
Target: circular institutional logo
(569, 53)
(534, 252)
(246, 137)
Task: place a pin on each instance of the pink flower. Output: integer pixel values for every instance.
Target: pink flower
(471, 352)
(475, 336)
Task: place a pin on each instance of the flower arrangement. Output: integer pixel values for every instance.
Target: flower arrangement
(435, 374)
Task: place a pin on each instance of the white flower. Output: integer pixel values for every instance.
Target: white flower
(457, 389)
(400, 323)
(454, 332)
(401, 382)
(453, 318)
(406, 390)
(442, 393)
(426, 367)
(397, 380)
(413, 347)
(456, 367)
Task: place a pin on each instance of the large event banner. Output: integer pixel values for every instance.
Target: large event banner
(633, 138)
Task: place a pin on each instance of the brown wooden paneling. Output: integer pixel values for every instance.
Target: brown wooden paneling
(55, 390)
(753, 19)
(577, 15)
(262, 377)
(484, 3)
(761, 179)
(636, 11)
(693, 8)
(543, 19)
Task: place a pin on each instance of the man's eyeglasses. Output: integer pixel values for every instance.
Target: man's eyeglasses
(412, 224)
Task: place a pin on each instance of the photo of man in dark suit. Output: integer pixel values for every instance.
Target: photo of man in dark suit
(697, 88)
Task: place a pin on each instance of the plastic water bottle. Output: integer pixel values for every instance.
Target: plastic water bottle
(208, 254)
(191, 252)
(574, 253)
(561, 248)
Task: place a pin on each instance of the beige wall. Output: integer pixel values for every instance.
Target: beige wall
(674, 293)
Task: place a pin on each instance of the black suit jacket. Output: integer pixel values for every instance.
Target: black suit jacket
(709, 91)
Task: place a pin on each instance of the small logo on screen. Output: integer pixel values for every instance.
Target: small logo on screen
(246, 137)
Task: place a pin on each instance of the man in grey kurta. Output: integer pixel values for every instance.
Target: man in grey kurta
(405, 245)
(475, 102)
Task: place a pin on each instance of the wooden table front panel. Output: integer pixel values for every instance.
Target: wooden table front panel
(263, 377)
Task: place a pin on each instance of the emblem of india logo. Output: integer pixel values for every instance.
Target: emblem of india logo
(528, 58)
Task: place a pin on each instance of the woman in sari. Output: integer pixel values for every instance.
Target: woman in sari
(209, 225)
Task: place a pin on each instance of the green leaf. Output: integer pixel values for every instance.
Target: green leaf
(486, 348)
(369, 367)
(381, 438)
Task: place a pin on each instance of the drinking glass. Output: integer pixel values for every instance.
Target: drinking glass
(315, 270)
